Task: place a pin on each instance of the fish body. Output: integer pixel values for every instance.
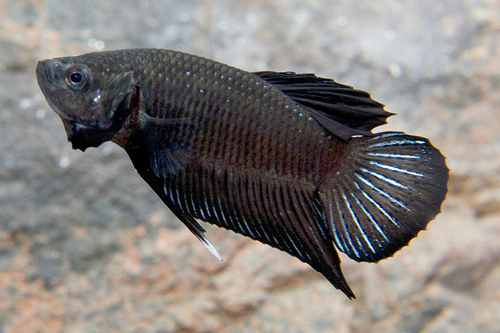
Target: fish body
(287, 159)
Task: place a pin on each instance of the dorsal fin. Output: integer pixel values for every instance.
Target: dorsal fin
(342, 110)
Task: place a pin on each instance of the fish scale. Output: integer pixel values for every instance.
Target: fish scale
(284, 158)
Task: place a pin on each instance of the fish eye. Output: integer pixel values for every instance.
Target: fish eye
(78, 78)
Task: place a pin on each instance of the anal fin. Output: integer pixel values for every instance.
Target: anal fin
(195, 229)
(191, 224)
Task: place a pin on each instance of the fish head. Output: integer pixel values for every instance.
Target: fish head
(91, 98)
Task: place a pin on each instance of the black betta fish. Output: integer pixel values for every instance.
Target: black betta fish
(286, 159)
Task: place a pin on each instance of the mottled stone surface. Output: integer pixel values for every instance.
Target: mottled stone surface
(86, 246)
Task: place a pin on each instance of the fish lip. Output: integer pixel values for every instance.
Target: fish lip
(44, 70)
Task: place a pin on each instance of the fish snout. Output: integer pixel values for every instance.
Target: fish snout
(45, 71)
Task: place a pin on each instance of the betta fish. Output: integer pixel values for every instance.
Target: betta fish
(284, 158)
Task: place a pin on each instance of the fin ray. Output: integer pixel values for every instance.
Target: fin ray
(342, 110)
(278, 213)
(392, 188)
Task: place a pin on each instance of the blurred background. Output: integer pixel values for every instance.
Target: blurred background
(86, 246)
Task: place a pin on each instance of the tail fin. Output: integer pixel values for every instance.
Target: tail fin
(391, 188)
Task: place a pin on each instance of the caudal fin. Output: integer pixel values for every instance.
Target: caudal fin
(392, 187)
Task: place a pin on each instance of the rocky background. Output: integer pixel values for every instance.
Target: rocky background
(86, 246)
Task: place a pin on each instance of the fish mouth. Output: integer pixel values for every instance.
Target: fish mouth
(44, 70)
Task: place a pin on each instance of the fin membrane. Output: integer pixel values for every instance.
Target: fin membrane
(196, 229)
(391, 189)
(284, 215)
(342, 110)
(155, 172)
(167, 153)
